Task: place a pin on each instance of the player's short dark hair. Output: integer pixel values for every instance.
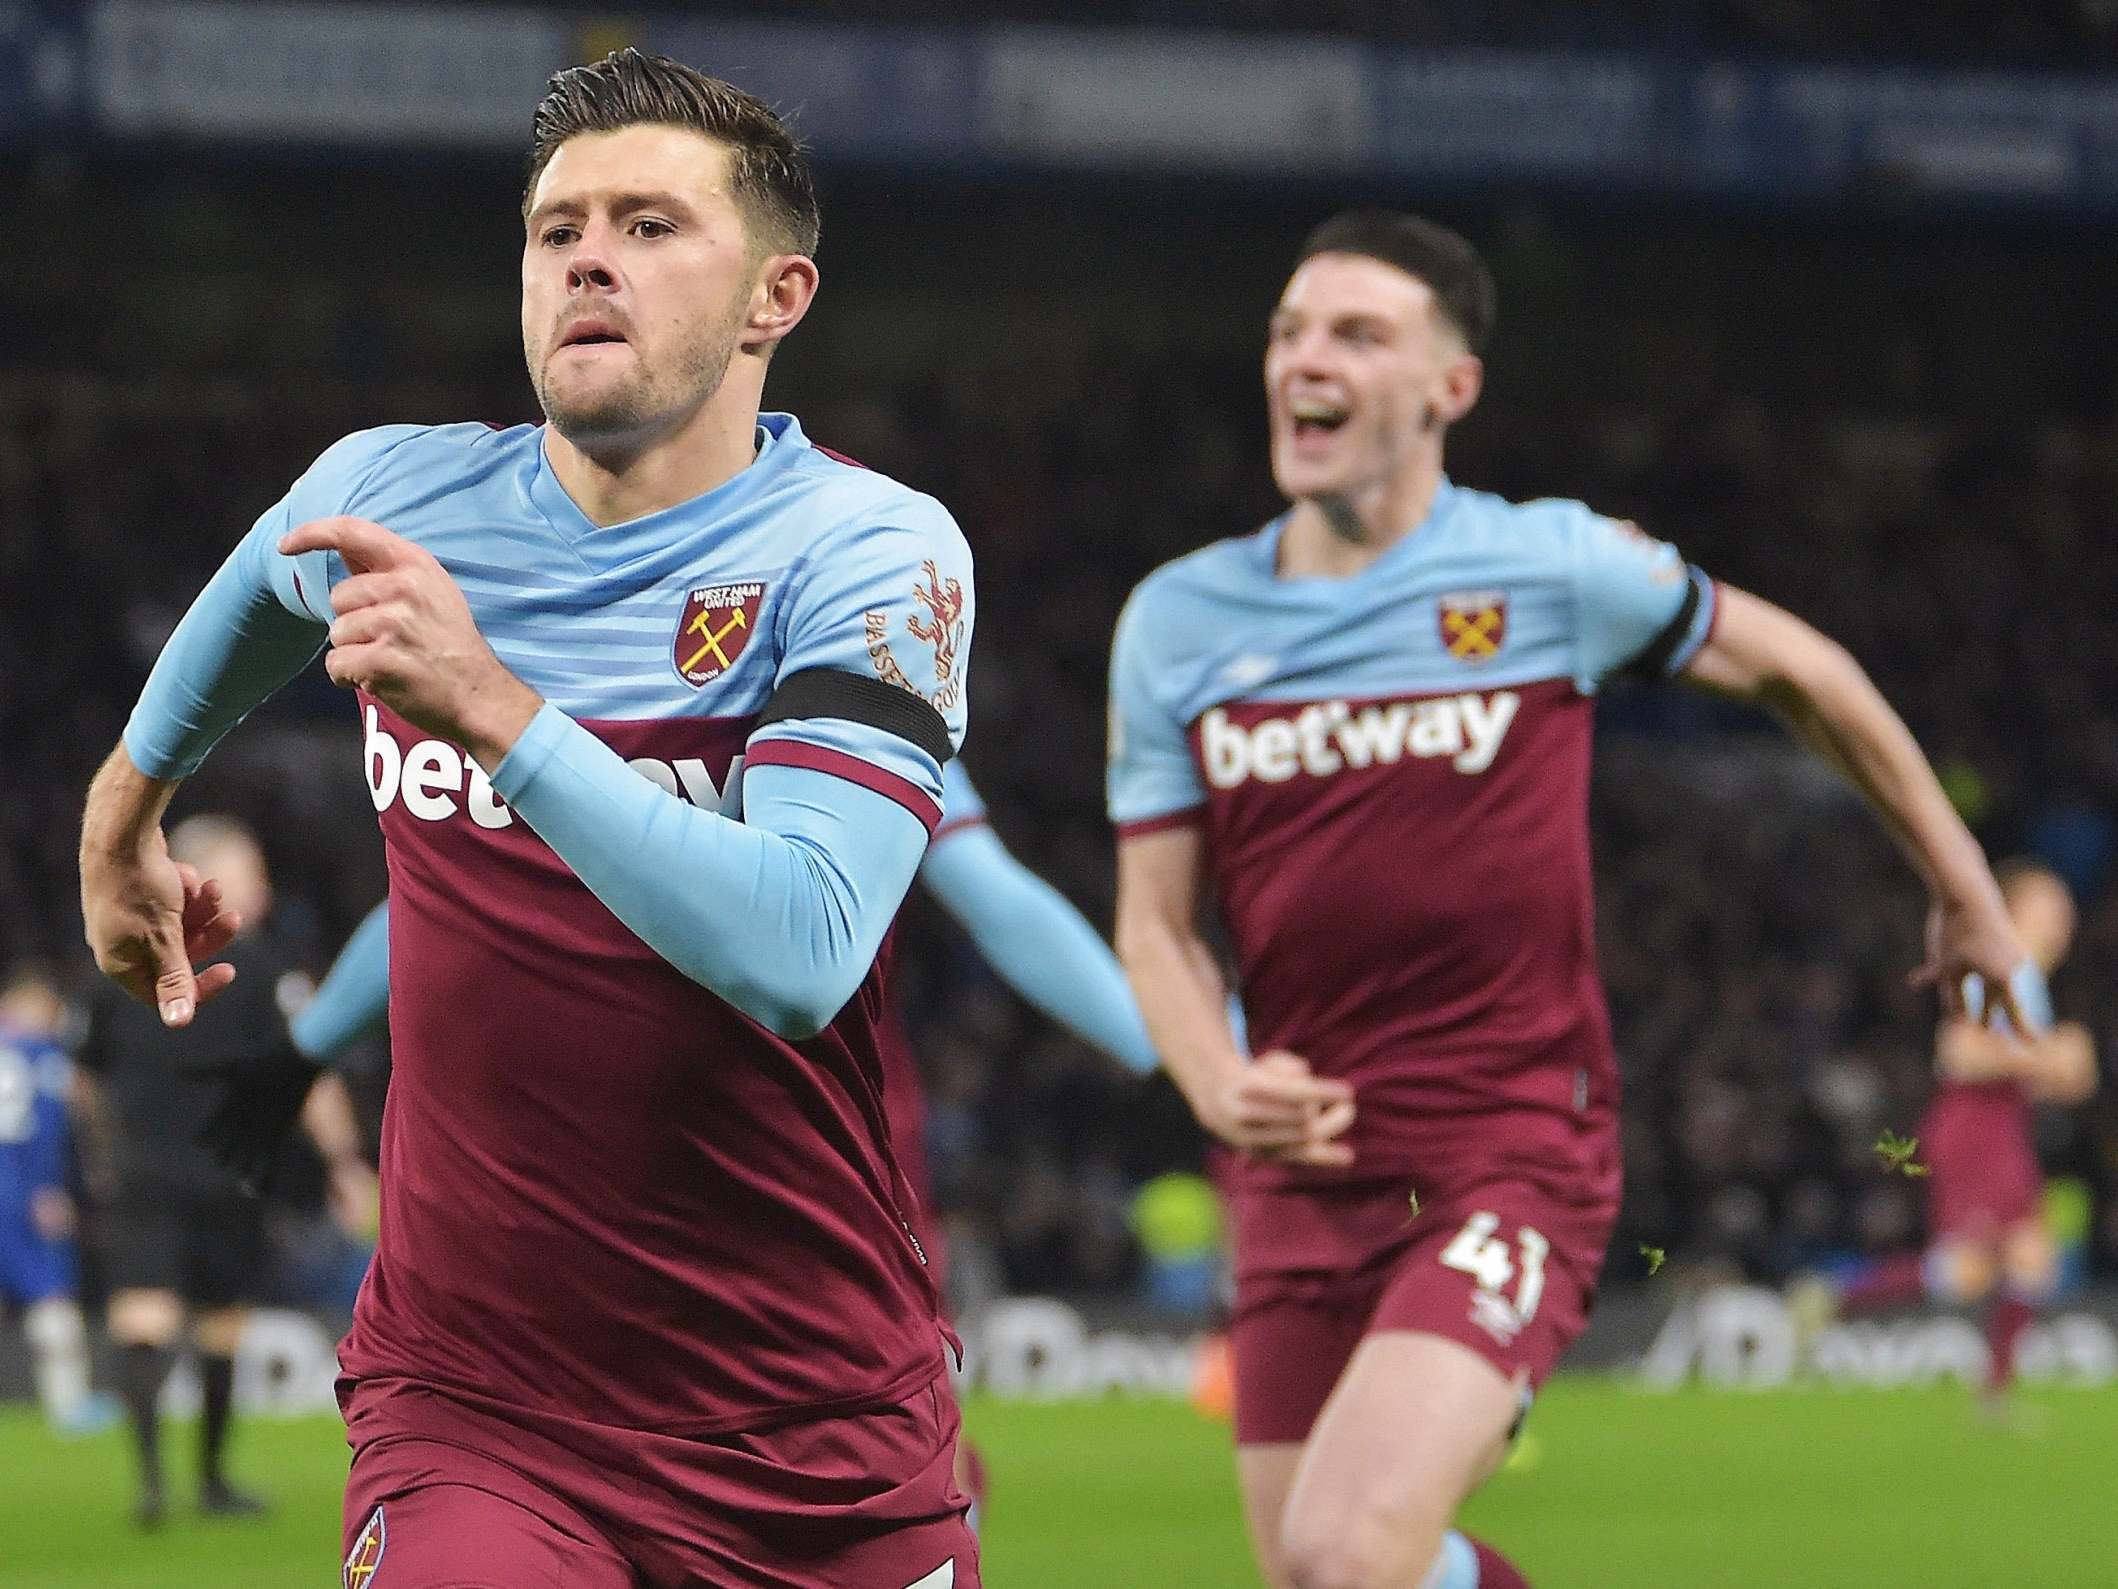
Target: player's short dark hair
(769, 168)
(1462, 286)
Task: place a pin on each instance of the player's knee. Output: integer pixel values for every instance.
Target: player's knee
(146, 1318)
(219, 1331)
(1352, 1548)
(1962, 1272)
(2030, 1266)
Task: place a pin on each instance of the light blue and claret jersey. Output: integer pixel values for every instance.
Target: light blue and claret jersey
(1389, 774)
(634, 1010)
(34, 1075)
(1960, 1110)
(1026, 929)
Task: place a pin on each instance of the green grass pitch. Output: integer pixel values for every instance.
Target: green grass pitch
(1623, 1488)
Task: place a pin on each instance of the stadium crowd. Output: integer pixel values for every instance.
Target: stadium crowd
(1755, 928)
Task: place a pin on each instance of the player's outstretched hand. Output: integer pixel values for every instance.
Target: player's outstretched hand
(1974, 937)
(256, 1103)
(151, 922)
(1276, 1108)
(405, 634)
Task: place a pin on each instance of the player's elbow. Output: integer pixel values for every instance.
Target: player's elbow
(798, 1026)
(791, 998)
(796, 1012)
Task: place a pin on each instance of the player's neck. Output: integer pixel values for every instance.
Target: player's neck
(617, 485)
(1338, 537)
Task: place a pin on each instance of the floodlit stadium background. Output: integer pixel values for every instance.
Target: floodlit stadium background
(1819, 292)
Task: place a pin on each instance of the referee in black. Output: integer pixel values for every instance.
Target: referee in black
(183, 1241)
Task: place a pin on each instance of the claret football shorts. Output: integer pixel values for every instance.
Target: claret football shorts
(1507, 1268)
(447, 1495)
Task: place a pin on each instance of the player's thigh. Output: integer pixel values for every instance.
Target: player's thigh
(1265, 1475)
(422, 1514)
(1411, 1430)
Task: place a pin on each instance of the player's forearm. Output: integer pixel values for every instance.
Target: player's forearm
(355, 994)
(327, 1116)
(1967, 1051)
(780, 914)
(235, 646)
(1181, 1000)
(1041, 946)
(124, 809)
(1828, 700)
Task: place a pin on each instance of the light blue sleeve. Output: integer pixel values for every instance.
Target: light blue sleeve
(961, 803)
(1629, 590)
(2032, 993)
(1031, 934)
(893, 601)
(1151, 774)
(781, 914)
(257, 623)
(355, 994)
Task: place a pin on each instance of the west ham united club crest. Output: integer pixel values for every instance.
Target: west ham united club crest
(1474, 624)
(717, 622)
(366, 1554)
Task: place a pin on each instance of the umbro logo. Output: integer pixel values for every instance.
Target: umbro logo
(1252, 667)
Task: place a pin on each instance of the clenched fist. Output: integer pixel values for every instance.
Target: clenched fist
(405, 634)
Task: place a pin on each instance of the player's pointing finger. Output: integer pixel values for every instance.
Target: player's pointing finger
(366, 546)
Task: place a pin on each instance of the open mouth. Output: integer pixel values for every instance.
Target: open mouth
(591, 334)
(1314, 417)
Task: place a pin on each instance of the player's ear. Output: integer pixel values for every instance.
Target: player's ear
(786, 286)
(1462, 379)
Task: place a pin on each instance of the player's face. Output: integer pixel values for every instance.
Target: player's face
(637, 271)
(32, 1004)
(2043, 910)
(1360, 374)
(238, 865)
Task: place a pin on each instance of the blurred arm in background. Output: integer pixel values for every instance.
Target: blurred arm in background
(2057, 1067)
(1029, 932)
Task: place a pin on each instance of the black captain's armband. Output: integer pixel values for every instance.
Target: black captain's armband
(1653, 662)
(856, 698)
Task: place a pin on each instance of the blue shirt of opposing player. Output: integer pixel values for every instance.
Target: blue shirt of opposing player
(36, 1213)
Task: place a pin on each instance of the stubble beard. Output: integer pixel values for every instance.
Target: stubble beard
(646, 403)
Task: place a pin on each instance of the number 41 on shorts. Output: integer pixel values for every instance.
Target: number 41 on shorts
(1478, 1251)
